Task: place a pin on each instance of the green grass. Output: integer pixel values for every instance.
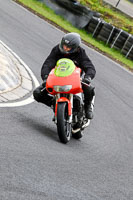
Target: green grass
(110, 14)
(42, 10)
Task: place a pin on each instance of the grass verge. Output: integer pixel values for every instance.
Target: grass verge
(111, 14)
(46, 13)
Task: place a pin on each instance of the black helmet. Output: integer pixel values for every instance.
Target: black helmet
(71, 40)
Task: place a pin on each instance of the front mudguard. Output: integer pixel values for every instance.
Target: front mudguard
(61, 100)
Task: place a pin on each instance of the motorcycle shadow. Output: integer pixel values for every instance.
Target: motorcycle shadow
(38, 126)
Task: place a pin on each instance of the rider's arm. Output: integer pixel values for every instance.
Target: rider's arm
(86, 65)
(49, 63)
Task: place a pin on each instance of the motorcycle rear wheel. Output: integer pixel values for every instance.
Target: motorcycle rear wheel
(63, 127)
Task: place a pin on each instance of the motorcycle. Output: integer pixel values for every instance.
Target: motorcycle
(64, 83)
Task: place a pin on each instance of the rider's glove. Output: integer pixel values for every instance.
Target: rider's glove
(87, 79)
(44, 80)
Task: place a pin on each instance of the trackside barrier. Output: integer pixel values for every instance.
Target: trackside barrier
(71, 10)
(125, 42)
(127, 49)
(110, 35)
(106, 33)
(96, 29)
(94, 26)
(116, 39)
(83, 18)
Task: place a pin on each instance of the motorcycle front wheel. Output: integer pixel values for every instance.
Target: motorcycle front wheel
(63, 126)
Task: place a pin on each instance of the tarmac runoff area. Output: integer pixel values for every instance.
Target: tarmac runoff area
(16, 80)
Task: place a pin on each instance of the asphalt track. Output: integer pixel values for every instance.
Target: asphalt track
(33, 163)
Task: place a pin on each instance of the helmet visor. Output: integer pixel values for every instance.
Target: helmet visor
(67, 48)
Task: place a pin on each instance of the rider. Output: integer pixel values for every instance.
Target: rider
(69, 47)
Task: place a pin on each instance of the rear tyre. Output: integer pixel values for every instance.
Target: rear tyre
(63, 126)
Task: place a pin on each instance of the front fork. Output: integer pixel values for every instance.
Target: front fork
(69, 101)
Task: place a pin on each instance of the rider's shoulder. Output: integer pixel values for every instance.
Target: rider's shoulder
(81, 49)
(55, 48)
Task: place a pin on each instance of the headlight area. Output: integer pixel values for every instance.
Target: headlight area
(64, 88)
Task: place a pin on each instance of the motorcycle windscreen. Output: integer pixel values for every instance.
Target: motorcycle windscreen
(64, 67)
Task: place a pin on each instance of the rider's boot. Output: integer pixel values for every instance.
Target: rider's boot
(89, 110)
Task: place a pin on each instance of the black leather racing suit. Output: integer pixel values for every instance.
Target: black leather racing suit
(80, 59)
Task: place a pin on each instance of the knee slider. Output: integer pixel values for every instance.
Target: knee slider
(37, 94)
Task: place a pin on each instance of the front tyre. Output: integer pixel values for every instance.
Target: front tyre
(63, 126)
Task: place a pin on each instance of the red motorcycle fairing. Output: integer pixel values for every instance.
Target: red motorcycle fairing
(73, 79)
